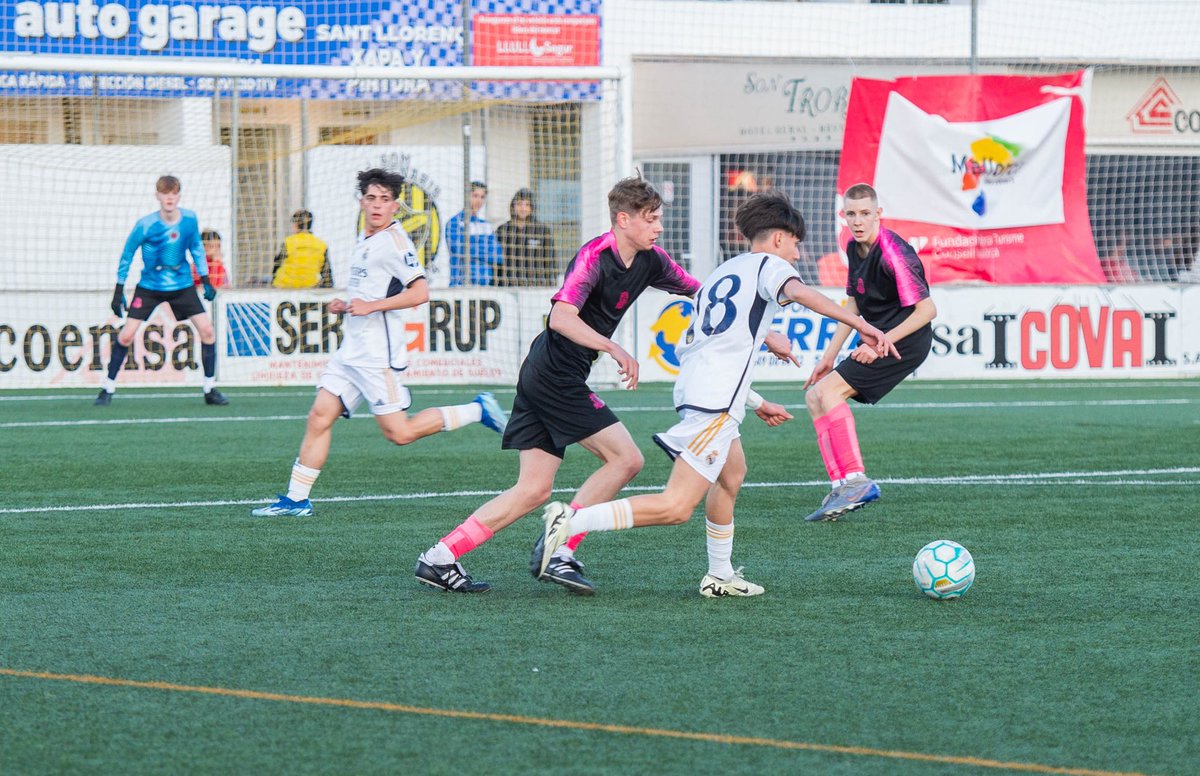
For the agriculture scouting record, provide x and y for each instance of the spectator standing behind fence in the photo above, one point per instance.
(1115, 262)
(1186, 268)
(214, 255)
(527, 244)
(1182, 256)
(303, 261)
(486, 256)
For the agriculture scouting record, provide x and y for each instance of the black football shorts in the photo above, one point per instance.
(184, 303)
(550, 415)
(875, 380)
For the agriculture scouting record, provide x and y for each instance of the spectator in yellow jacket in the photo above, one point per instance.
(303, 261)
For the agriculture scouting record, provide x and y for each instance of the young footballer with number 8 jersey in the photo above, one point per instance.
(734, 310)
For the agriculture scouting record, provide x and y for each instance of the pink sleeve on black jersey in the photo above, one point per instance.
(674, 278)
(904, 265)
(584, 271)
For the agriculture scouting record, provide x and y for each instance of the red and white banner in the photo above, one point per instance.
(534, 40)
(983, 175)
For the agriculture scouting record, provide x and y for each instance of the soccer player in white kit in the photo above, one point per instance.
(733, 313)
(385, 278)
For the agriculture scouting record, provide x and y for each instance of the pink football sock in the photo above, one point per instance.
(825, 445)
(843, 438)
(469, 535)
(577, 539)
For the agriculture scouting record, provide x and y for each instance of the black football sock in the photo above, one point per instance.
(117, 359)
(208, 357)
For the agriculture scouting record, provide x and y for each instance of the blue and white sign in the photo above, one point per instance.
(424, 33)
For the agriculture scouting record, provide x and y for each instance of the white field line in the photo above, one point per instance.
(1006, 404)
(195, 393)
(144, 421)
(1122, 477)
(973, 385)
(658, 408)
(132, 396)
(1054, 385)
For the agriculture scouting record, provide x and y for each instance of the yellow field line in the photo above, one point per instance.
(716, 738)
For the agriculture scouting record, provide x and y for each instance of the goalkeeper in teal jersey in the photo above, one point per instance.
(164, 238)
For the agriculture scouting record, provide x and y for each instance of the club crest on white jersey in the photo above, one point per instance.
(383, 265)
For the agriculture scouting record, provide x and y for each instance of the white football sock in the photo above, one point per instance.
(303, 477)
(610, 516)
(439, 555)
(458, 415)
(720, 549)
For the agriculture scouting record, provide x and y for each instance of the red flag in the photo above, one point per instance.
(984, 175)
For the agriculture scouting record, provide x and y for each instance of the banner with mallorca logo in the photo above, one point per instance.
(983, 175)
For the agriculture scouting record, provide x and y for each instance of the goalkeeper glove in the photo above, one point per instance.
(118, 300)
(210, 293)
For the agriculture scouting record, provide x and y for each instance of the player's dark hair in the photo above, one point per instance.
(210, 234)
(479, 186)
(304, 219)
(767, 211)
(393, 181)
(167, 184)
(633, 195)
(862, 191)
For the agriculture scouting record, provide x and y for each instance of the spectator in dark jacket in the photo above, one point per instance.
(529, 258)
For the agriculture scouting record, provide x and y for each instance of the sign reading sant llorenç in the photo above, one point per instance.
(983, 175)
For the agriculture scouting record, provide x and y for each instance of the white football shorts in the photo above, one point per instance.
(702, 439)
(379, 386)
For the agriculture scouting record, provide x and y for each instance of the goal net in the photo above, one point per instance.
(265, 159)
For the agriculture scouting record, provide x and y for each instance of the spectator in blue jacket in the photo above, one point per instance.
(486, 255)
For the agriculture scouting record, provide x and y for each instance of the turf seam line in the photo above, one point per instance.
(719, 738)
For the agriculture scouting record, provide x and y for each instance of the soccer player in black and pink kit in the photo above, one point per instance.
(886, 286)
(554, 406)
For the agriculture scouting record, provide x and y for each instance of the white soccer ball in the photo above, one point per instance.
(943, 569)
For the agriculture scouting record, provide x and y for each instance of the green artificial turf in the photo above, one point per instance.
(127, 552)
